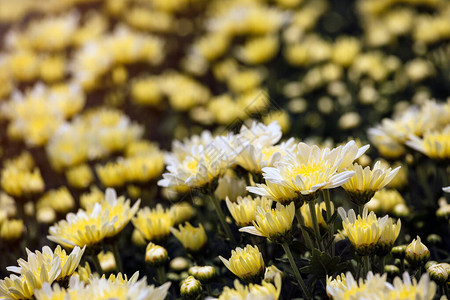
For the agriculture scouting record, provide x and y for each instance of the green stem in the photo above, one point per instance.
(361, 209)
(305, 234)
(366, 265)
(326, 198)
(312, 211)
(115, 250)
(295, 269)
(161, 274)
(96, 262)
(359, 267)
(208, 289)
(221, 216)
(446, 293)
(382, 264)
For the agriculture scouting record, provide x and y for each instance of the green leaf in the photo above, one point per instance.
(333, 218)
(323, 264)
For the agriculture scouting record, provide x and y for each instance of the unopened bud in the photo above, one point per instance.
(430, 263)
(179, 264)
(392, 270)
(434, 239)
(271, 273)
(155, 255)
(438, 273)
(205, 274)
(191, 288)
(417, 253)
(399, 251)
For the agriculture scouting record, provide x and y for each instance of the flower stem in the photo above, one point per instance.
(221, 216)
(295, 269)
(305, 234)
(161, 274)
(326, 198)
(382, 263)
(366, 265)
(361, 209)
(96, 262)
(312, 211)
(115, 250)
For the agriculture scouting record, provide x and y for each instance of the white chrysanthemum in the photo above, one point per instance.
(312, 169)
(204, 164)
(39, 268)
(374, 287)
(446, 189)
(114, 287)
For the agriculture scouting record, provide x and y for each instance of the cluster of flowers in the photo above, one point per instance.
(425, 129)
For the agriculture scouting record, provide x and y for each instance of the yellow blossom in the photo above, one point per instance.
(193, 239)
(273, 224)
(80, 176)
(244, 209)
(154, 224)
(363, 185)
(363, 231)
(246, 263)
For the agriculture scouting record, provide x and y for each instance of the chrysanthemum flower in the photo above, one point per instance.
(247, 263)
(273, 224)
(388, 237)
(266, 291)
(192, 238)
(244, 209)
(425, 289)
(362, 231)
(373, 287)
(117, 287)
(320, 220)
(40, 267)
(276, 192)
(417, 253)
(434, 144)
(103, 220)
(363, 185)
(312, 169)
(201, 166)
(154, 224)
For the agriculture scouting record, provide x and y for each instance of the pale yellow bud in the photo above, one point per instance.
(191, 288)
(205, 274)
(156, 255)
(417, 253)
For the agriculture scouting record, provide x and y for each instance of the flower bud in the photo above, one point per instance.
(438, 273)
(434, 239)
(155, 255)
(430, 263)
(272, 272)
(191, 288)
(399, 251)
(204, 274)
(107, 261)
(179, 264)
(417, 253)
(392, 270)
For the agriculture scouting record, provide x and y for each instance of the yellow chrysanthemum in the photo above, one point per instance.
(154, 224)
(388, 236)
(363, 185)
(247, 263)
(273, 224)
(244, 209)
(435, 145)
(252, 291)
(103, 220)
(362, 231)
(404, 289)
(192, 238)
